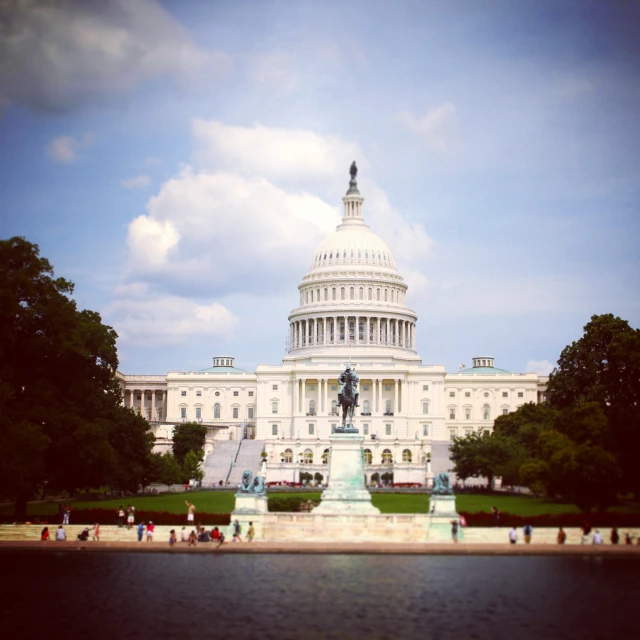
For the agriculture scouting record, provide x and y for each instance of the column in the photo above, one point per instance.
(335, 329)
(326, 396)
(395, 396)
(164, 405)
(379, 395)
(131, 399)
(356, 329)
(403, 397)
(295, 396)
(304, 396)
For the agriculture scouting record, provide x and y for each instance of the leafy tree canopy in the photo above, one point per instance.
(188, 436)
(60, 416)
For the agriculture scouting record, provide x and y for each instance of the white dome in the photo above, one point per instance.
(351, 245)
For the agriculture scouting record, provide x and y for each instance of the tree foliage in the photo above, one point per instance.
(192, 467)
(61, 422)
(170, 470)
(188, 436)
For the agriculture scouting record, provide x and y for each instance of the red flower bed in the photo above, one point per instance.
(109, 516)
(603, 520)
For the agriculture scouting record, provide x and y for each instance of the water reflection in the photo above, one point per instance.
(155, 596)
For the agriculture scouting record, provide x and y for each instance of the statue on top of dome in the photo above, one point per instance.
(353, 170)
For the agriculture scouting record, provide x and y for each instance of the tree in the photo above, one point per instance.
(478, 455)
(60, 417)
(170, 471)
(192, 467)
(188, 436)
(603, 366)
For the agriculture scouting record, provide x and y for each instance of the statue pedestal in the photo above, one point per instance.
(444, 506)
(250, 503)
(442, 510)
(346, 491)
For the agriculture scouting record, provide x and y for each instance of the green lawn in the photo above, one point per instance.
(223, 502)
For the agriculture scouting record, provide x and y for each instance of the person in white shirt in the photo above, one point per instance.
(184, 536)
(61, 534)
(597, 537)
(513, 535)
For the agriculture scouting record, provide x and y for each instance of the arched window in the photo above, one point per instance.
(387, 406)
(361, 293)
(387, 456)
(352, 254)
(341, 330)
(359, 254)
(287, 456)
(365, 406)
(392, 296)
(325, 456)
(333, 293)
(352, 293)
(216, 411)
(370, 296)
(326, 294)
(307, 457)
(342, 293)
(366, 255)
(406, 455)
(312, 407)
(311, 295)
(386, 295)
(334, 407)
(368, 457)
(486, 412)
(378, 295)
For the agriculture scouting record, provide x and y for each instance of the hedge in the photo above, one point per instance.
(555, 520)
(108, 516)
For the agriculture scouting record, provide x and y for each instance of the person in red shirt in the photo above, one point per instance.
(150, 529)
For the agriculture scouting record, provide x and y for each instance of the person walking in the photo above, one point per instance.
(140, 531)
(61, 534)
(615, 536)
(597, 537)
(513, 535)
(191, 513)
(454, 531)
(562, 536)
(67, 514)
(121, 516)
(528, 531)
(237, 530)
(251, 532)
(131, 516)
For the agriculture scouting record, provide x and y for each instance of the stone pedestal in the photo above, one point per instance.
(442, 510)
(443, 506)
(250, 504)
(346, 491)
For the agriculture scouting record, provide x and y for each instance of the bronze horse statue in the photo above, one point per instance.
(348, 398)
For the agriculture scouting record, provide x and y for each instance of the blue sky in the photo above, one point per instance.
(179, 161)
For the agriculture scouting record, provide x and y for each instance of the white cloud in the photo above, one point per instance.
(166, 319)
(63, 149)
(211, 231)
(139, 182)
(58, 55)
(271, 152)
(541, 367)
(437, 127)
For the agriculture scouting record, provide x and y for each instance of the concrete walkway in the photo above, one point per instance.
(353, 548)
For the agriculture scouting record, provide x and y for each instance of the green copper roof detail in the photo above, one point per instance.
(353, 187)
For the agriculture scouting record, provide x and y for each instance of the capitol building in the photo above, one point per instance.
(352, 310)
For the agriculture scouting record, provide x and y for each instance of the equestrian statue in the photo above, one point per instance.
(348, 397)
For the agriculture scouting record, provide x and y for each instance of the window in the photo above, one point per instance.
(387, 457)
(312, 407)
(333, 293)
(505, 394)
(365, 407)
(365, 387)
(274, 429)
(341, 293)
(235, 413)
(274, 387)
(467, 414)
(287, 454)
(365, 429)
(311, 428)
(406, 455)
(387, 407)
(452, 434)
(182, 393)
(217, 393)
(325, 456)
(159, 412)
(251, 394)
(425, 407)
(183, 412)
(486, 394)
(452, 394)
(199, 393)
(216, 411)
(387, 387)
(334, 387)
(198, 413)
(274, 407)
(236, 393)
(452, 413)
(312, 387)
(521, 394)
(351, 294)
(425, 387)
(334, 407)
(333, 428)
(425, 429)
(387, 429)
(505, 412)
(307, 457)
(467, 432)
(368, 457)
(250, 413)
(148, 414)
(486, 412)
(467, 394)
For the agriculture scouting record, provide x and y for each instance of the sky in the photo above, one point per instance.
(180, 162)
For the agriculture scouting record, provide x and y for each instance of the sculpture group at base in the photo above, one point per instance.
(251, 484)
(442, 485)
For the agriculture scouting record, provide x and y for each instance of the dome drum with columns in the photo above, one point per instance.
(353, 295)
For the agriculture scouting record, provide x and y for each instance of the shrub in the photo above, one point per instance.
(602, 520)
(286, 503)
(109, 516)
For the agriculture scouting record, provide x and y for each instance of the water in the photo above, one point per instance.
(156, 596)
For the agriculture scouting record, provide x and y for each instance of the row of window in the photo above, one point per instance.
(183, 394)
(353, 254)
(365, 429)
(306, 457)
(467, 394)
(350, 293)
(217, 411)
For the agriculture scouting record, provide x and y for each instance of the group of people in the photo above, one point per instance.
(129, 514)
(215, 535)
(597, 538)
(61, 534)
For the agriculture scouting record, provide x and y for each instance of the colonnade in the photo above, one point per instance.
(374, 395)
(356, 329)
(157, 408)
